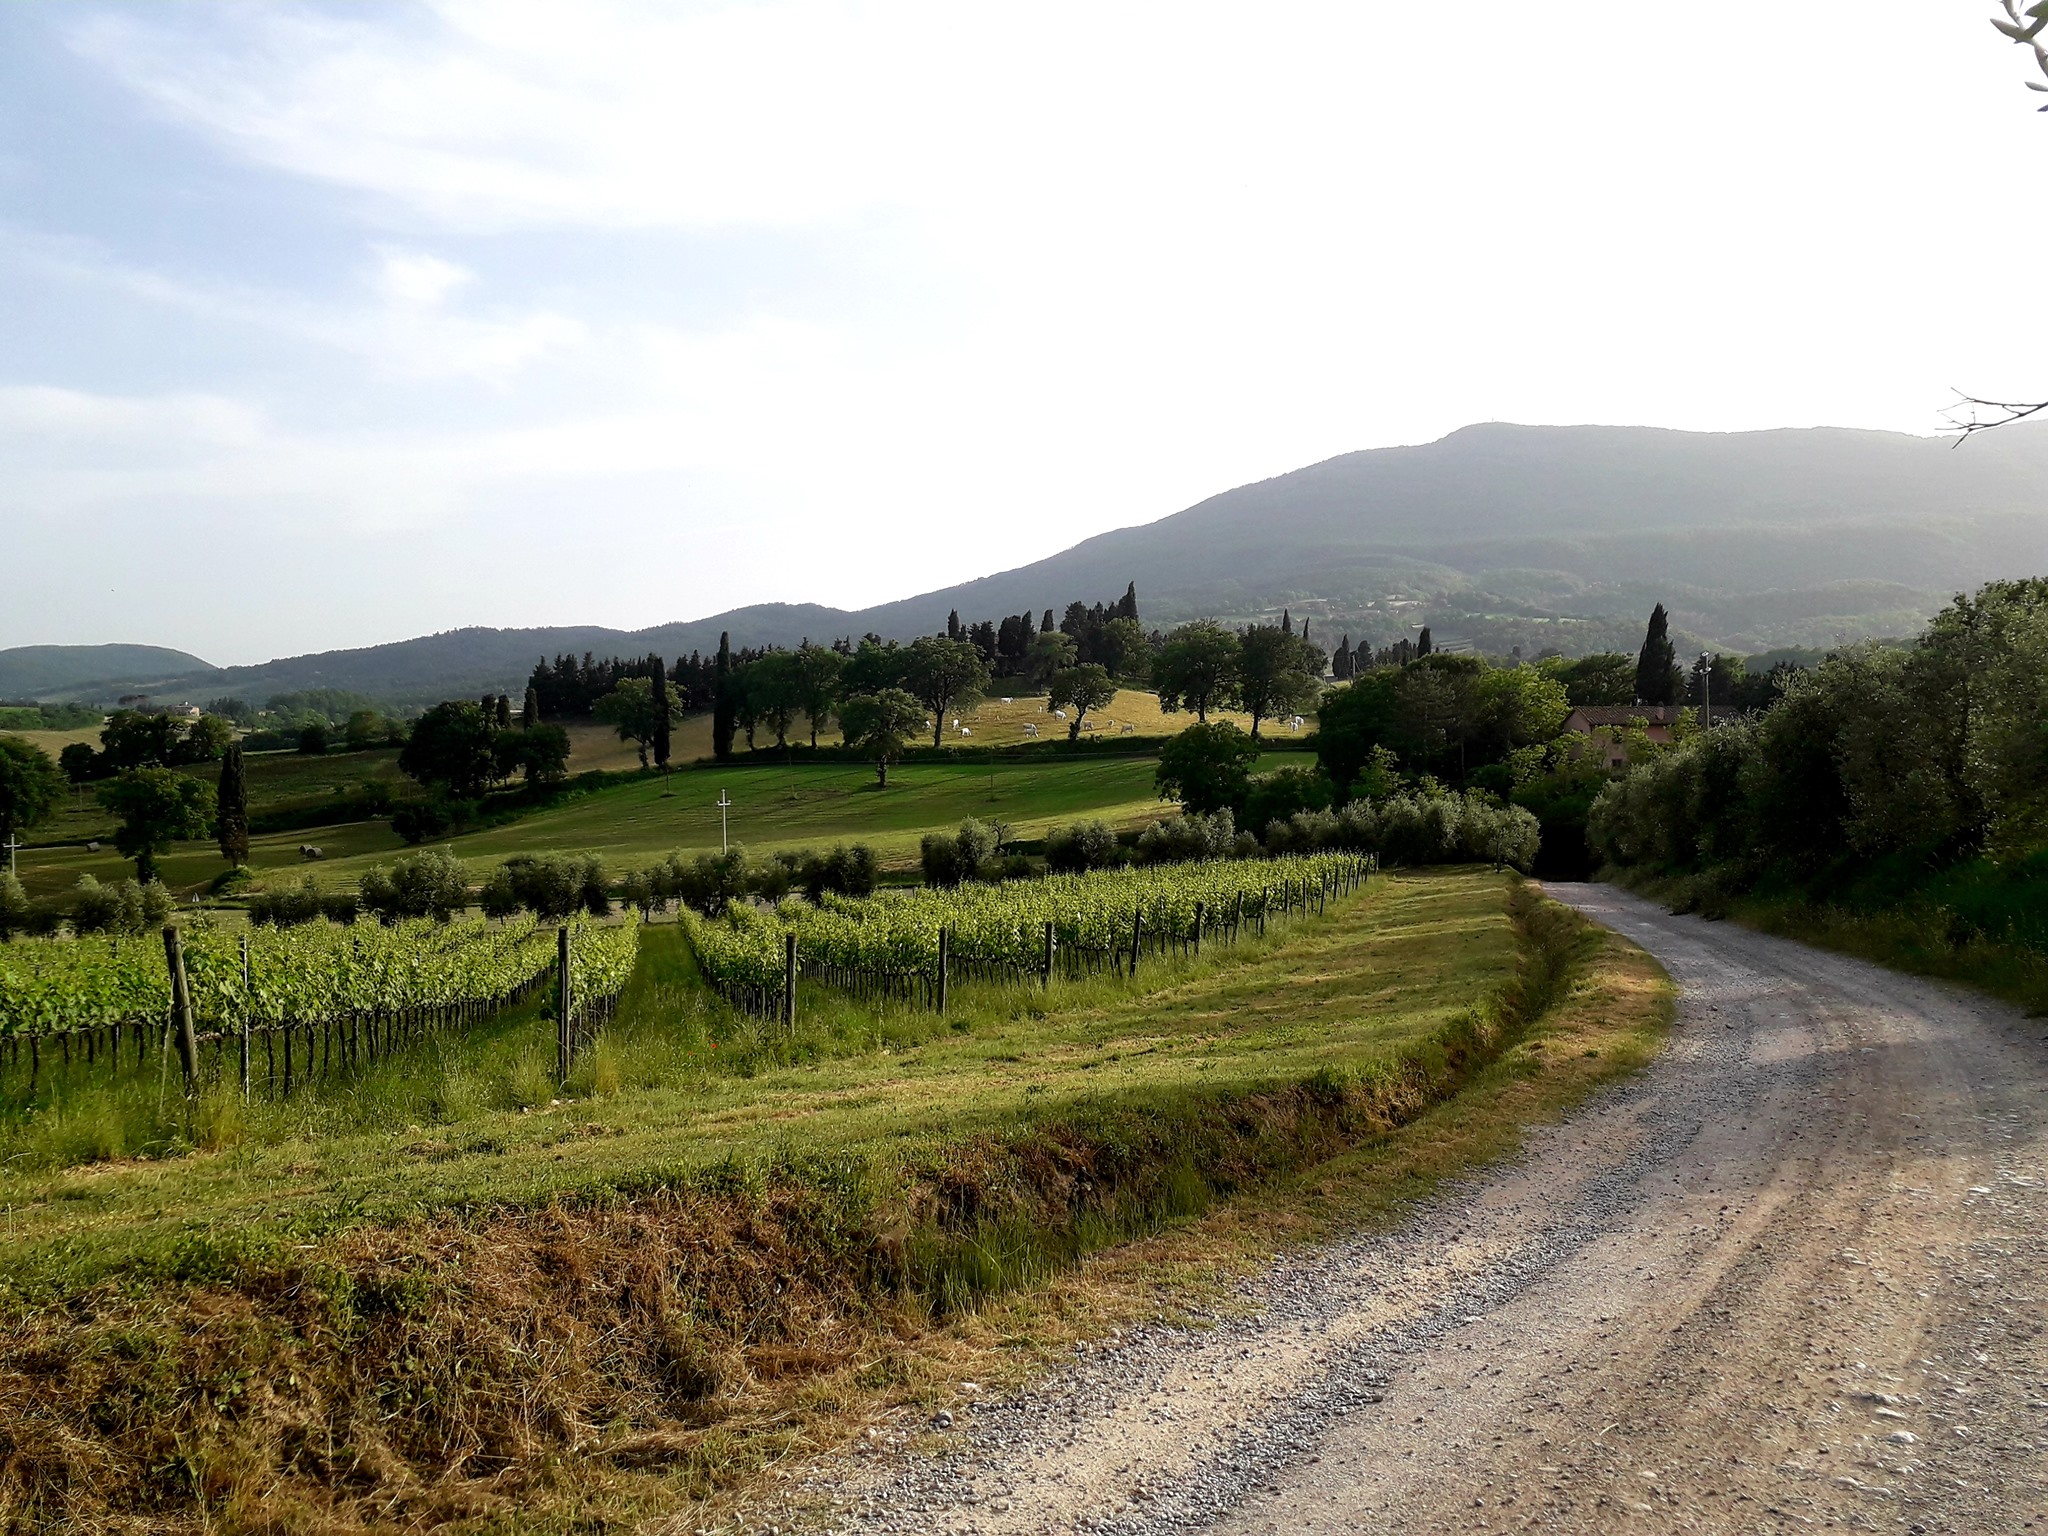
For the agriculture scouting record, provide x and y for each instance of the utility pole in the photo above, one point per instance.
(724, 805)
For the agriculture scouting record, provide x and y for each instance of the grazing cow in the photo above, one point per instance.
(1059, 714)
(308, 851)
(1031, 730)
(1009, 701)
(965, 732)
(1128, 729)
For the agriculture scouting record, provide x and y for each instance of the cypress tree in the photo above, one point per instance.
(504, 712)
(1657, 675)
(1045, 625)
(724, 707)
(660, 713)
(529, 712)
(231, 822)
(953, 625)
(1423, 644)
(1128, 608)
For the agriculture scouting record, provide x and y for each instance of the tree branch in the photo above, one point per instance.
(1968, 415)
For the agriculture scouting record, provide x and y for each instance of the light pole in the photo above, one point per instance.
(724, 805)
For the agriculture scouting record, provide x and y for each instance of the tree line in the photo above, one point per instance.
(1912, 761)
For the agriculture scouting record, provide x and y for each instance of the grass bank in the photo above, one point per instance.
(594, 1311)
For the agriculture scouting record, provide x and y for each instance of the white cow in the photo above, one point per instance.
(1030, 730)
(1009, 701)
(1128, 729)
(1059, 714)
(965, 732)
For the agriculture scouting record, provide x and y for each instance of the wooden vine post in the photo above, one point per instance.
(1048, 953)
(181, 1011)
(246, 1000)
(789, 982)
(1137, 936)
(562, 1004)
(1198, 930)
(945, 962)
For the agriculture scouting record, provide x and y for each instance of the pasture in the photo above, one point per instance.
(773, 806)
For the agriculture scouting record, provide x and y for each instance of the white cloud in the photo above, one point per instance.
(417, 279)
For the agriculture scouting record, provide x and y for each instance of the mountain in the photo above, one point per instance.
(1498, 536)
(33, 671)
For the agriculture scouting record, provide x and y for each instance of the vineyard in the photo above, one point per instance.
(310, 999)
(909, 947)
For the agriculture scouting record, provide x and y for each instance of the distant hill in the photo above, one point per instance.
(35, 671)
(1498, 536)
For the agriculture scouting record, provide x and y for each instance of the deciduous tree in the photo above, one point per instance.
(30, 786)
(1197, 668)
(1274, 672)
(1081, 689)
(156, 807)
(944, 675)
(1207, 767)
(880, 725)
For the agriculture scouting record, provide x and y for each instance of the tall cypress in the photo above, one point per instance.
(1423, 643)
(1128, 608)
(660, 712)
(529, 712)
(504, 712)
(1657, 675)
(724, 706)
(231, 822)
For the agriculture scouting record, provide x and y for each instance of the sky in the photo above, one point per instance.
(322, 326)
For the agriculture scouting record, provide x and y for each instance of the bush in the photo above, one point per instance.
(846, 871)
(1187, 838)
(312, 741)
(713, 882)
(1081, 847)
(1415, 829)
(124, 908)
(17, 914)
(430, 883)
(290, 906)
(554, 886)
(949, 858)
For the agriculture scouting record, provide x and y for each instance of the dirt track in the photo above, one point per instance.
(1793, 1278)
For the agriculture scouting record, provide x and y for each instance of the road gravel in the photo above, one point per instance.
(1792, 1277)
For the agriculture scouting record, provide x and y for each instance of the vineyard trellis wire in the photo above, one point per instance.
(311, 999)
(907, 948)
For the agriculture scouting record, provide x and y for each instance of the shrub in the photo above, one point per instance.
(17, 915)
(846, 871)
(554, 886)
(430, 883)
(713, 881)
(124, 908)
(1083, 846)
(1186, 838)
(290, 906)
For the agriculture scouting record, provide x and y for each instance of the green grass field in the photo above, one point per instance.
(682, 1081)
(635, 823)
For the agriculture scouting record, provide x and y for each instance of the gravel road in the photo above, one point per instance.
(1791, 1278)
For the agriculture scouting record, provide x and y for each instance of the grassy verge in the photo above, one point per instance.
(1921, 933)
(588, 1313)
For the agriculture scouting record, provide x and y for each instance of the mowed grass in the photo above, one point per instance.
(680, 1083)
(772, 806)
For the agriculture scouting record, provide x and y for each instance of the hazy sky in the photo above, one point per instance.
(321, 327)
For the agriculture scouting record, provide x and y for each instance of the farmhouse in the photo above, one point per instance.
(1603, 725)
